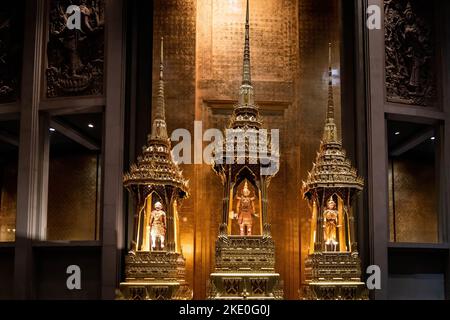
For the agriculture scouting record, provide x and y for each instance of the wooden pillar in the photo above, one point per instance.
(226, 199)
(320, 222)
(353, 106)
(445, 148)
(28, 166)
(227, 185)
(265, 218)
(44, 162)
(113, 210)
(170, 228)
(353, 242)
(377, 155)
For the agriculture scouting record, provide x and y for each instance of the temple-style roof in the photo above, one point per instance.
(156, 166)
(331, 169)
(246, 122)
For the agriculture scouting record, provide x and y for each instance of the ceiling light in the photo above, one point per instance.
(397, 133)
(90, 125)
(433, 138)
(52, 129)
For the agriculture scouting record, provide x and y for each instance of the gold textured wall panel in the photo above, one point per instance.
(8, 201)
(289, 52)
(414, 198)
(72, 198)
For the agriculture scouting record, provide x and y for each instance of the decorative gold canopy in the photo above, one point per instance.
(156, 165)
(331, 169)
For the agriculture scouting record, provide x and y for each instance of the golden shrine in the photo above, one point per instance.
(155, 266)
(333, 266)
(245, 250)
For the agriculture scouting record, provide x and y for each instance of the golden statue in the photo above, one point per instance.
(245, 211)
(157, 225)
(330, 216)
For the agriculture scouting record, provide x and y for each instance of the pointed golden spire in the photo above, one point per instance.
(160, 108)
(330, 110)
(246, 76)
(331, 170)
(330, 130)
(246, 113)
(155, 166)
(159, 130)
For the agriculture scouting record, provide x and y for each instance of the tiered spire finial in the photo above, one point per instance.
(155, 166)
(246, 114)
(330, 110)
(331, 168)
(160, 108)
(330, 131)
(159, 130)
(246, 76)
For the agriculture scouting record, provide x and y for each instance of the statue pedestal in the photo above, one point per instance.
(245, 269)
(156, 275)
(241, 285)
(337, 290)
(334, 276)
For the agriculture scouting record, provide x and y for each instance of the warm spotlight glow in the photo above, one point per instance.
(235, 6)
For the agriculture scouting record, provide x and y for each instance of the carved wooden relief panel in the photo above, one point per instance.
(11, 40)
(410, 52)
(75, 57)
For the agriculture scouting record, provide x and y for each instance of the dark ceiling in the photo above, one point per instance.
(59, 143)
(400, 133)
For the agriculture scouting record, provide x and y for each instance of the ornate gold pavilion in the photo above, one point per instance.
(333, 266)
(245, 264)
(156, 274)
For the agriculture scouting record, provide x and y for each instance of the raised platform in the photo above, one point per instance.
(154, 290)
(333, 266)
(337, 290)
(245, 269)
(245, 253)
(334, 276)
(238, 286)
(156, 275)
